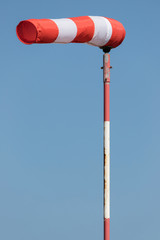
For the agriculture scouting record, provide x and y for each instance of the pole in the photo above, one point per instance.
(106, 78)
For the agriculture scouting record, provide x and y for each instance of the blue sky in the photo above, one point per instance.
(51, 127)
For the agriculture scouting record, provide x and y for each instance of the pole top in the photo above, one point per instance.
(106, 49)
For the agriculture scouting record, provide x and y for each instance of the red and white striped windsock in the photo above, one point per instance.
(93, 30)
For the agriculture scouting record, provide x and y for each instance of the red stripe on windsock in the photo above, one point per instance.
(107, 229)
(118, 33)
(84, 34)
(106, 102)
(37, 31)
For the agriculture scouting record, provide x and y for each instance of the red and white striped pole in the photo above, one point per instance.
(106, 77)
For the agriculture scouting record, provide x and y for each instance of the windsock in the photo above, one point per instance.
(97, 31)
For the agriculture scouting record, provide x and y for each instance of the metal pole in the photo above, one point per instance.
(106, 78)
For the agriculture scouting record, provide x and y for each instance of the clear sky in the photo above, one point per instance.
(51, 127)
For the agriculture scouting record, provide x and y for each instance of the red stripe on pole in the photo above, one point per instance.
(118, 33)
(85, 29)
(106, 102)
(106, 78)
(37, 31)
(107, 229)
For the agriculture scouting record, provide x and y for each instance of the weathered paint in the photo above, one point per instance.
(106, 67)
(106, 78)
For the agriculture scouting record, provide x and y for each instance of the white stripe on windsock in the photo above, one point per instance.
(103, 31)
(67, 30)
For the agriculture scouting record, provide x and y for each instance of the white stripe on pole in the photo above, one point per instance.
(103, 31)
(107, 169)
(67, 30)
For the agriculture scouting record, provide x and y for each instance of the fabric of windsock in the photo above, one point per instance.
(94, 30)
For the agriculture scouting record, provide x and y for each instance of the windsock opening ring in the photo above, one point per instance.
(93, 30)
(26, 32)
